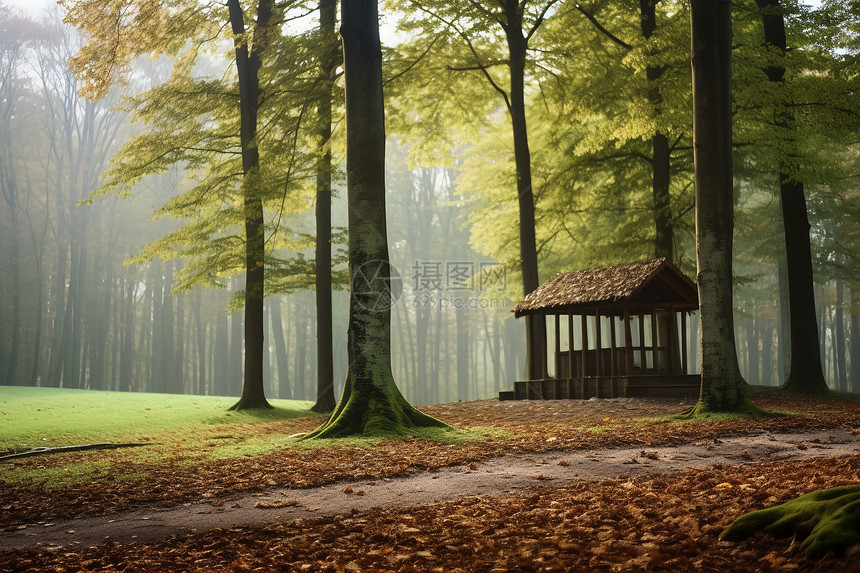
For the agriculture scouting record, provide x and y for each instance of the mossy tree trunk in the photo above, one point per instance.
(371, 403)
(723, 387)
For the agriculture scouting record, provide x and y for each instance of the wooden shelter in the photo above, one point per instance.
(625, 330)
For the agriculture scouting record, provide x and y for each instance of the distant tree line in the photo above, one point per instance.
(608, 117)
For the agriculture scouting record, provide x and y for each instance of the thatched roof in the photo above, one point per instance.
(645, 283)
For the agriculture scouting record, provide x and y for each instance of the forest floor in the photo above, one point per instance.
(556, 486)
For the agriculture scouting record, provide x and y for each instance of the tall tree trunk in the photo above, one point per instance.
(371, 402)
(723, 387)
(284, 391)
(754, 338)
(166, 334)
(664, 239)
(325, 400)
(517, 51)
(200, 331)
(235, 368)
(300, 320)
(248, 66)
(805, 375)
(222, 383)
(839, 336)
(462, 326)
(767, 354)
(39, 252)
(179, 380)
(156, 369)
(58, 299)
(496, 349)
(15, 271)
(854, 347)
(126, 370)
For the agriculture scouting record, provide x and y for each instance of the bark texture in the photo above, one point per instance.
(248, 66)
(325, 401)
(723, 386)
(371, 404)
(805, 375)
(536, 348)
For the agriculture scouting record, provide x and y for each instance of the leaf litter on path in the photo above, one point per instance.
(668, 522)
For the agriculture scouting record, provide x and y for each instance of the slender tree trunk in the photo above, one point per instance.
(839, 335)
(783, 326)
(156, 367)
(462, 328)
(300, 319)
(723, 387)
(126, 359)
(234, 372)
(854, 348)
(497, 354)
(223, 384)
(753, 340)
(55, 359)
(664, 239)
(371, 402)
(247, 66)
(325, 400)
(15, 271)
(805, 375)
(284, 391)
(200, 331)
(166, 333)
(517, 50)
(767, 354)
(39, 319)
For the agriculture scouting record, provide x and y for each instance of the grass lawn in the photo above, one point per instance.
(34, 417)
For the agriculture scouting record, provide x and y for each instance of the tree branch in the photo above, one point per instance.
(481, 67)
(603, 30)
(412, 64)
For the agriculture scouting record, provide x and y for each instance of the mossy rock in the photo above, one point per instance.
(827, 520)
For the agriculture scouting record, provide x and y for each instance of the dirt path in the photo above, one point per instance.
(494, 476)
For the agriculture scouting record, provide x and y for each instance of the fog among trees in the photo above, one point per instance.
(126, 186)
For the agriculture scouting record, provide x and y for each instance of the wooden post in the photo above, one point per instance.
(628, 343)
(684, 342)
(612, 367)
(583, 341)
(570, 373)
(673, 336)
(557, 347)
(655, 345)
(598, 344)
(643, 359)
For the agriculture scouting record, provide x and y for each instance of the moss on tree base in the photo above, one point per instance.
(374, 408)
(827, 520)
(742, 408)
